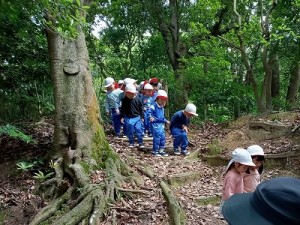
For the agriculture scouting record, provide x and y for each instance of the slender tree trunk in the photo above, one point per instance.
(293, 87)
(266, 98)
(275, 91)
(174, 48)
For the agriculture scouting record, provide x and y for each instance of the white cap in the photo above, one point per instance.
(191, 109)
(121, 82)
(108, 81)
(255, 150)
(129, 81)
(241, 156)
(130, 88)
(162, 94)
(148, 87)
(141, 86)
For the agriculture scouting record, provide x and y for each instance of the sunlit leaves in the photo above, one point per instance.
(64, 16)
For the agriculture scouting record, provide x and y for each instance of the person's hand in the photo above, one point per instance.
(151, 119)
(122, 120)
(117, 112)
(185, 128)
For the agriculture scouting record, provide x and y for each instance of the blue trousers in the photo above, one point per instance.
(134, 125)
(116, 120)
(159, 136)
(180, 138)
(147, 129)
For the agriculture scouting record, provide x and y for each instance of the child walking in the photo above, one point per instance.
(233, 181)
(112, 104)
(179, 128)
(158, 120)
(252, 176)
(147, 101)
(132, 114)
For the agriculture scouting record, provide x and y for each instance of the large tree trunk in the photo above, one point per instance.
(76, 107)
(80, 145)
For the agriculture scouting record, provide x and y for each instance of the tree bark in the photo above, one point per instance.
(76, 106)
(293, 84)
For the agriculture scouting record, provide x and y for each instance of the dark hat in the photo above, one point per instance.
(274, 202)
(153, 80)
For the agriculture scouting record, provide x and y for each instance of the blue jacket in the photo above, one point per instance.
(158, 113)
(147, 102)
(178, 120)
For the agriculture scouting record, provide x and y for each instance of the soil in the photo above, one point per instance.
(195, 182)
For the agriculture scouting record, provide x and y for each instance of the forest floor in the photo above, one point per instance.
(194, 180)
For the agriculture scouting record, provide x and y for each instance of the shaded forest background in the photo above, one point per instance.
(229, 58)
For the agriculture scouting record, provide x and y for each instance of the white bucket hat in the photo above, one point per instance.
(255, 150)
(148, 87)
(108, 81)
(130, 88)
(191, 109)
(241, 156)
(129, 81)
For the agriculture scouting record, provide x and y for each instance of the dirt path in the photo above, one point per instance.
(195, 183)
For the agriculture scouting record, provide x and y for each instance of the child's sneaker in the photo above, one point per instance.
(131, 146)
(185, 152)
(162, 152)
(141, 146)
(145, 135)
(156, 154)
(176, 152)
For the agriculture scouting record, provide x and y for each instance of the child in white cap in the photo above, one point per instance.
(253, 174)
(237, 166)
(179, 128)
(132, 114)
(147, 101)
(233, 181)
(158, 120)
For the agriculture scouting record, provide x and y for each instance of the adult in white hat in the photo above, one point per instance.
(179, 128)
(109, 81)
(252, 176)
(112, 104)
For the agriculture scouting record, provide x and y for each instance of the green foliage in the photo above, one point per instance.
(41, 176)
(14, 132)
(25, 166)
(214, 148)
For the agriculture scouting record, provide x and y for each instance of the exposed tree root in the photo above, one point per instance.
(85, 203)
(176, 213)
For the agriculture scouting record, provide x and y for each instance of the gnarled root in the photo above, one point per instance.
(176, 213)
(83, 202)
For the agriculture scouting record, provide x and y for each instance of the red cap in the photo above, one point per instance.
(153, 80)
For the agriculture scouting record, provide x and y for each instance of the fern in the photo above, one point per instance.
(14, 132)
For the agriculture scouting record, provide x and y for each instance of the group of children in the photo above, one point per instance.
(140, 108)
(243, 172)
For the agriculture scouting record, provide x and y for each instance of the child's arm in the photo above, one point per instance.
(106, 105)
